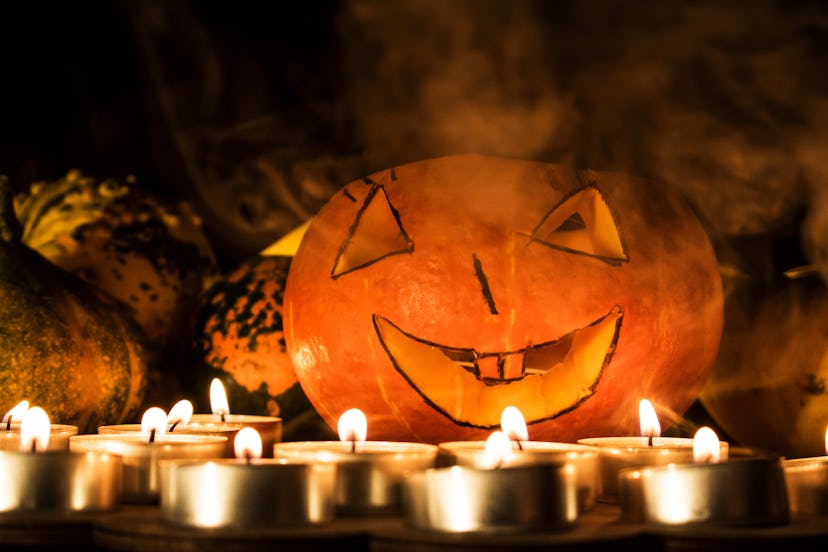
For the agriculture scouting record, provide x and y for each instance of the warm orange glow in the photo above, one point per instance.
(706, 447)
(648, 420)
(180, 413)
(16, 413)
(513, 424)
(352, 425)
(34, 430)
(218, 398)
(498, 448)
(248, 443)
(153, 423)
(826, 441)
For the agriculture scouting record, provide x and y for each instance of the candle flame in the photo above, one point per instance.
(180, 413)
(648, 420)
(218, 399)
(34, 430)
(498, 448)
(513, 424)
(352, 425)
(153, 423)
(16, 413)
(248, 443)
(706, 446)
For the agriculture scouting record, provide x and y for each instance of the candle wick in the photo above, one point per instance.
(353, 446)
(152, 436)
(520, 445)
(650, 439)
(8, 423)
(175, 423)
(34, 444)
(248, 456)
(222, 417)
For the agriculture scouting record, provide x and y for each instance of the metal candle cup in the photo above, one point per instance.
(583, 458)
(58, 481)
(269, 428)
(807, 484)
(58, 436)
(518, 499)
(140, 479)
(369, 477)
(742, 491)
(618, 453)
(259, 493)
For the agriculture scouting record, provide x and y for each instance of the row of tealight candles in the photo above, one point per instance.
(223, 470)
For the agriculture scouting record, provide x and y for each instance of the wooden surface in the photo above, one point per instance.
(141, 528)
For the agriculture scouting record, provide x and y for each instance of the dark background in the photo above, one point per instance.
(255, 112)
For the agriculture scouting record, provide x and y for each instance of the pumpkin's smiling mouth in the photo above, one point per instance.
(472, 387)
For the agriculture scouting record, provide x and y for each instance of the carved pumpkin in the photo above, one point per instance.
(433, 295)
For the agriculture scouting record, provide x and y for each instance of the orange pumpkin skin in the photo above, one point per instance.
(500, 264)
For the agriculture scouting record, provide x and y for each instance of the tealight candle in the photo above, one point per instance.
(495, 497)
(141, 452)
(807, 483)
(368, 473)
(247, 491)
(10, 430)
(747, 489)
(583, 458)
(37, 478)
(223, 421)
(650, 449)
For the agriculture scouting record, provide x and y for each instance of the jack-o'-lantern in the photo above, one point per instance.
(434, 294)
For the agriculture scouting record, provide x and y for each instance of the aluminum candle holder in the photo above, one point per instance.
(268, 427)
(583, 458)
(519, 499)
(140, 478)
(618, 453)
(58, 436)
(247, 494)
(369, 476)
(807, 483)
(743, 491)
(58, 481)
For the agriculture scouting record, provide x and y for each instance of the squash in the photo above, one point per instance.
(148, 252)
(769, 386)
(434, 294)
(66, 346)
(239, 339)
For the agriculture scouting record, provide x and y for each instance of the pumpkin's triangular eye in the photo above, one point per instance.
(583, 223)
(375, 234)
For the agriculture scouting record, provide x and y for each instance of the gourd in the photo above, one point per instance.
(147, 251)
(239, 338)
(434, 294)
(65, 345)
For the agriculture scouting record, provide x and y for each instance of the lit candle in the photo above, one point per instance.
(492, 496)
(247, 491)
(37, 478)
(746, 489)
(178, 422)
(222, 420)
(141, 451)
(650, 449)
(369, 473)
(807, 484)
(583, 458)
(10, 430)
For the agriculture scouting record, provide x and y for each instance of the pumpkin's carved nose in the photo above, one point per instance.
(484, 284)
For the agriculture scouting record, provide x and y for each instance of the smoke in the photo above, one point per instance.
(716, 99)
